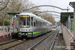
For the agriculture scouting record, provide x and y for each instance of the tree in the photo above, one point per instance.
(14, 6)
(4, 4)
(6, 22)
(48, 17)
(59, 23)
(27, 4)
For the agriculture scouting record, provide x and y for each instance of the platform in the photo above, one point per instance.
(4, 33)
(4, 36)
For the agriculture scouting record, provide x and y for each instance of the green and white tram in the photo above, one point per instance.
(31, 25)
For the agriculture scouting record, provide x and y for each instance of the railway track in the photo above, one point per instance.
(6, 42)
(31, 44)
(9, 44)
(52, 45)
(25, 44)
(33, 47)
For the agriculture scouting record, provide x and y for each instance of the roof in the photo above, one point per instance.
(65, 15)
(12, 14)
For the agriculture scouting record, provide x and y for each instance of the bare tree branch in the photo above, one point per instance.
(4, 5)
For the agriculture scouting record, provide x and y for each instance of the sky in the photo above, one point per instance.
(59, 3)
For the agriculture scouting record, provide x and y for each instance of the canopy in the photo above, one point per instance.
(65, 15)
(12, 14)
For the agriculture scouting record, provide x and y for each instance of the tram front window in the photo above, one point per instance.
(24, 22)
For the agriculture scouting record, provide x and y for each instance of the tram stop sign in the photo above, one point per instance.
(12, 22)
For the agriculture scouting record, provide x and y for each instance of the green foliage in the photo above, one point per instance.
(6, 23)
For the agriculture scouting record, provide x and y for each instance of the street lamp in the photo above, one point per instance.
(72, 4)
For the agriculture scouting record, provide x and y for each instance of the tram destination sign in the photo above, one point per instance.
(24, 16)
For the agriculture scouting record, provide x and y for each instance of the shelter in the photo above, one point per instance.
(67, 19)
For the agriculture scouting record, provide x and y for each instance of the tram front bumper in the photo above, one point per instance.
(22, 34)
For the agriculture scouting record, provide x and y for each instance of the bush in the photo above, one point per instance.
(6, 23)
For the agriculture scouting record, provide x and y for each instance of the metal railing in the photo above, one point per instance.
(68, 37)
(69, 32)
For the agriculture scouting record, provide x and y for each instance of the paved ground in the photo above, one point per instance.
(1, 30)
(59, 44)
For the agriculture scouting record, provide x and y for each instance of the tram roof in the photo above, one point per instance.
(31, 14)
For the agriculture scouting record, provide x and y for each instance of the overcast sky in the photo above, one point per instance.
(59, 3)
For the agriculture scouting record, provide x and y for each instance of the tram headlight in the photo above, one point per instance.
(28, 30)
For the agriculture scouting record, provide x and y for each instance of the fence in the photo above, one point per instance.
(68, 37)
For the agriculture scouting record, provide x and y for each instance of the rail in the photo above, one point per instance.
(32, 48)
(53, 42)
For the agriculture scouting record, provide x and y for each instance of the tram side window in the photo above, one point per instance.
(43, 23)
(37, 23)
(40, 23)
(31, 21)
(46, 24)
(34, 24)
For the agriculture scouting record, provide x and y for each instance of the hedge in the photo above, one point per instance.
(6, 23)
